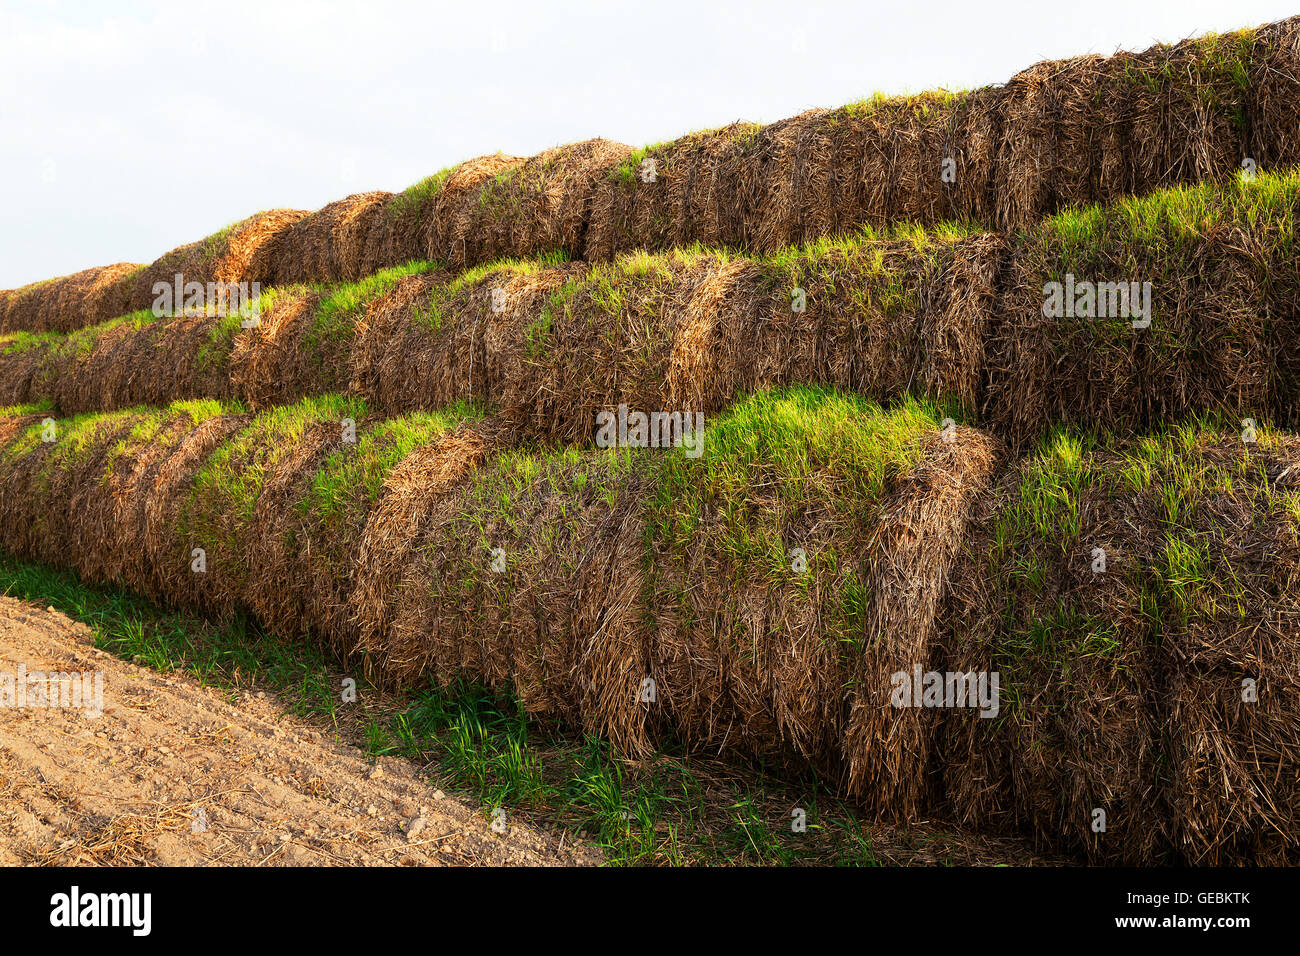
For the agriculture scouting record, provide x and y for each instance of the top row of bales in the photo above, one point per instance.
(1077, 131)
(1061, 133)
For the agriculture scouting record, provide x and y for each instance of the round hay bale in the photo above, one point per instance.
(539, 206)
(924, 159)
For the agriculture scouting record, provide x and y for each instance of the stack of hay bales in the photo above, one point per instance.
(397, 462)
(426, 343)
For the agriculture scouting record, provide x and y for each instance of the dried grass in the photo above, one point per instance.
(329, 245)
(541, 205)
(880, 162)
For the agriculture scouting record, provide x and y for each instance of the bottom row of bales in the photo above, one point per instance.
(1132, 605)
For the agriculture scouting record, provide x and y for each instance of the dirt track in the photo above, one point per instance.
(174, 774)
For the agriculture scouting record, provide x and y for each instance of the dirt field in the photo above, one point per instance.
(173, 773)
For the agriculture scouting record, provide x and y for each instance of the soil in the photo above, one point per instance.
(175, 773)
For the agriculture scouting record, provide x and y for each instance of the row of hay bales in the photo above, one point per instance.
(100, 294)
(552, 343)
(949, 313)
(1076, 131)
(758, 599)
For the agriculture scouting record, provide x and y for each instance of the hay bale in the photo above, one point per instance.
(426, 343)
(539, 206)
(135, 360)
(683, 331)
(1274, 141)
(419, 485)
(223, 509)
(879, 319)
(230, 256)
(1223, 287)
(522, 575)
(878, 162)
(428, 220)
(107, 510)
(793, 662)
(279, 361)
(706, 188)
(276, 589)
(39, 478)
(329, 245)
(689, 331)
(1234, 762)
(601, 337)
(22, 356)
(93, 369)
(309, 340)
(312, 514)
(164, 567)
(1077, 730)
(1115, 678)
(91, 500)
(1094, 129)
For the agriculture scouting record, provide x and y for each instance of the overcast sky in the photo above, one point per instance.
(127, 129)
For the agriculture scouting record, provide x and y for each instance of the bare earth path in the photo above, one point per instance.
(172, 773)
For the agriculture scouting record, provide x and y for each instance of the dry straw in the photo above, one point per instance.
(228, 256)
(61, 305)
(329, 245)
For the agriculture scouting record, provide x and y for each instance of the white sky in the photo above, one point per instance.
(127, 129)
